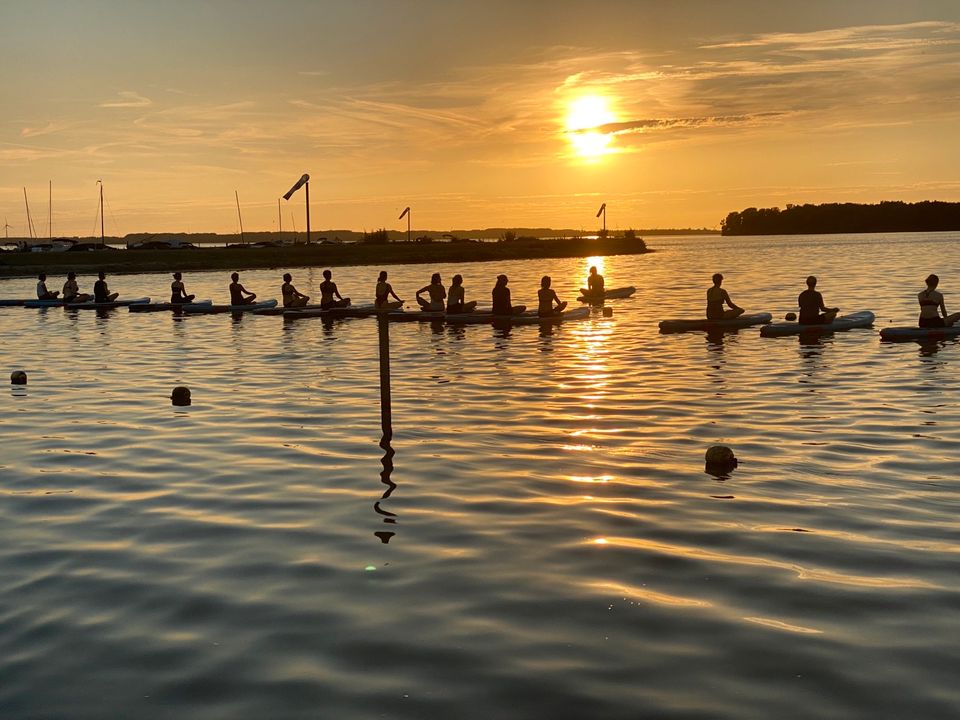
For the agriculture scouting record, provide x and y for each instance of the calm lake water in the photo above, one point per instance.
(539, 539)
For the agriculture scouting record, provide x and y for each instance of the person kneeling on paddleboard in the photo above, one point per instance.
(547, 297)
(932, 304)
(71, 290)
(328, 290)
(101, 293)
(811, 305)
(501, 299)
(455, 303)
(716, 298)
(291, 296)
(594, 283)
(383, 292)
(437, 295)
(238, 291)
(178, 292)
(42, 292)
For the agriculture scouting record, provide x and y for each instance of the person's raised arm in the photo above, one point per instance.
(726, 298)
(419, 292)
(336, 291)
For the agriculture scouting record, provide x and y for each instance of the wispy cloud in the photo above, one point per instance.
(127, 99)
(48, 129)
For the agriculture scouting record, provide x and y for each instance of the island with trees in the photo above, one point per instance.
(891, 216)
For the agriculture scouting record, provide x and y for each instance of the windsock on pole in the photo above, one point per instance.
(304, 180)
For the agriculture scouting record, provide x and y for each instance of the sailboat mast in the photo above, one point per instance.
(239, 216)
(50, 210)
(29, 219)
(280, 219)
(102, 242)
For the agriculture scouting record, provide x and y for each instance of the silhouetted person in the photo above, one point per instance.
(455, 303)
(42, 292)
(501, 299)
(437, 295)
(178, 293)
(595, 282)
(328, 291)
(101, 293)
(549, 304)
(291, 296)
(71, 290)
(932, 305)
(717, 297)
(383, 292)
(811, 305)
(239, 295)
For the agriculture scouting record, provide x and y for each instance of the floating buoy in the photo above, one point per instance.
(180, 396)
(790, 317)
(720, 460)
(18, 377)
(608, 312)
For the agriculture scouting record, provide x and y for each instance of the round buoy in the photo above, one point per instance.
(608, 312)
(180, 396)
(790, 317)
(18, 377)
(720, 460)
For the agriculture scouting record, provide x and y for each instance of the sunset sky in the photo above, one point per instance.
(520, 113)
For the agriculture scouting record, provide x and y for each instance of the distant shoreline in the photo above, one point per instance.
(18, 264)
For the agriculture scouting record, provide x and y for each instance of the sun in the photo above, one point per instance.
(584, 116)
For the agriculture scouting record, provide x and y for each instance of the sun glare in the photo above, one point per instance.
(584, 116)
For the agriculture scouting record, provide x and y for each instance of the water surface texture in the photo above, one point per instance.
(539, 538)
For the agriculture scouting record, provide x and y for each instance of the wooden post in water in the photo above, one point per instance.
(386, 413)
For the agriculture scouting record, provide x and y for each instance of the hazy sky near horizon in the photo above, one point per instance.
(522, 113)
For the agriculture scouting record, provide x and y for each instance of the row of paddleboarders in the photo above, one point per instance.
(933, 310)
(71, 290)
(435, 297)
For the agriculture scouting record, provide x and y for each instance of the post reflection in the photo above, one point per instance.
(386, 427)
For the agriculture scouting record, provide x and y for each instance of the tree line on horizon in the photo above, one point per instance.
(888, 216)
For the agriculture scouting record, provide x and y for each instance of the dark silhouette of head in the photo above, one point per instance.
(42, 276)
(501, 280)
(717, 279)
(327, 274)
(71, 275)
(593, 270)
(287, 277)
(932, 281)
(545, 281)
(457, 280)
(177, 276)
(382, 276)
(235, 277)
(435, 279)
(102, 275)
(811, 282)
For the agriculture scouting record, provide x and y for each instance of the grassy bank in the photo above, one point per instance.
(14, 264)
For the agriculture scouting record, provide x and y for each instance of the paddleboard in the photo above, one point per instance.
(14, 302)
(43, 303)
(861, 319)
(175, 307)
(611, 294)
(693, 324)
(901, 334)
(281, 310)
(352, 311)
(213, 309)
(107, 305)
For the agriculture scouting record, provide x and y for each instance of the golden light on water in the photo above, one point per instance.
(584, 115)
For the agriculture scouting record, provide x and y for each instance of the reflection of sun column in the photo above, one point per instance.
(584, 116)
